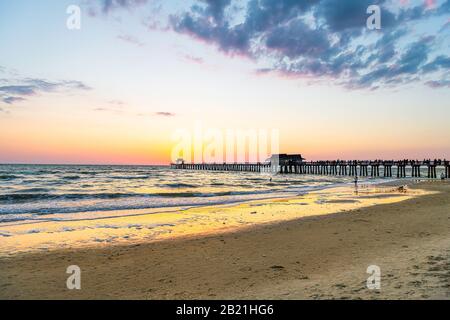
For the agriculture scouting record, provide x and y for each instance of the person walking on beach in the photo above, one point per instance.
(356, 185)
(442, 176)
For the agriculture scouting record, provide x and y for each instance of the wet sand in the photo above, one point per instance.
(316, 257)
(128, 227)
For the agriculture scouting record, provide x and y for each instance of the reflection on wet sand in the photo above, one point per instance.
(146, 225)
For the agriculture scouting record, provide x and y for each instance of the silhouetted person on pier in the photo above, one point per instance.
(442, 176)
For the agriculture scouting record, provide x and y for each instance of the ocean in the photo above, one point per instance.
(27, 192)
(47, 207)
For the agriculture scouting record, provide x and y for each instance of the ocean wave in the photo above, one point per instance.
(256, 179)
(33, 195)
(8, 177)
(130, 177)
(23, 197)
(40, 190)
(71, 177)
(33, 190)
(179, 185)
(43, 172)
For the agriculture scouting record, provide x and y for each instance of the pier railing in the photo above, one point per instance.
(333, 167)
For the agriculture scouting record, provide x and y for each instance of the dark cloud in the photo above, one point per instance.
(215, 8)
(440, 62)
(385, 47)
(297, 39)
(207, 23)
(11, 100)
(444, 8)
(414, 57)
(109, 5)
(348, 14)
(438, 83)
(445, 27)
(266, 14)
(24, 90)
(422, 11)
(404, 69)
(229, 39)
(164, 114)
(17, 90)
(320, 38)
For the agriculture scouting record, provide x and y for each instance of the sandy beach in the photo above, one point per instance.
(313, 257)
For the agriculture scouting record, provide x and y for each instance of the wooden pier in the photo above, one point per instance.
(334, 167)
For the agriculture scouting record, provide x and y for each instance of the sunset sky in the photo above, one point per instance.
(116, 90)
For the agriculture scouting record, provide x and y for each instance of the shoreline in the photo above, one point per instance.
(130, 227)
(164, 209)
(315, 257)
(275, 194)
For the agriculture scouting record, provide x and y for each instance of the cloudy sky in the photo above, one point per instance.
(117, 89)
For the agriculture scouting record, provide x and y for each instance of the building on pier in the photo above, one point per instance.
(284, 159)
(179, 161)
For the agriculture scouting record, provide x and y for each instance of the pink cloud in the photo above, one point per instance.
(404, 2)
(429, 4)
